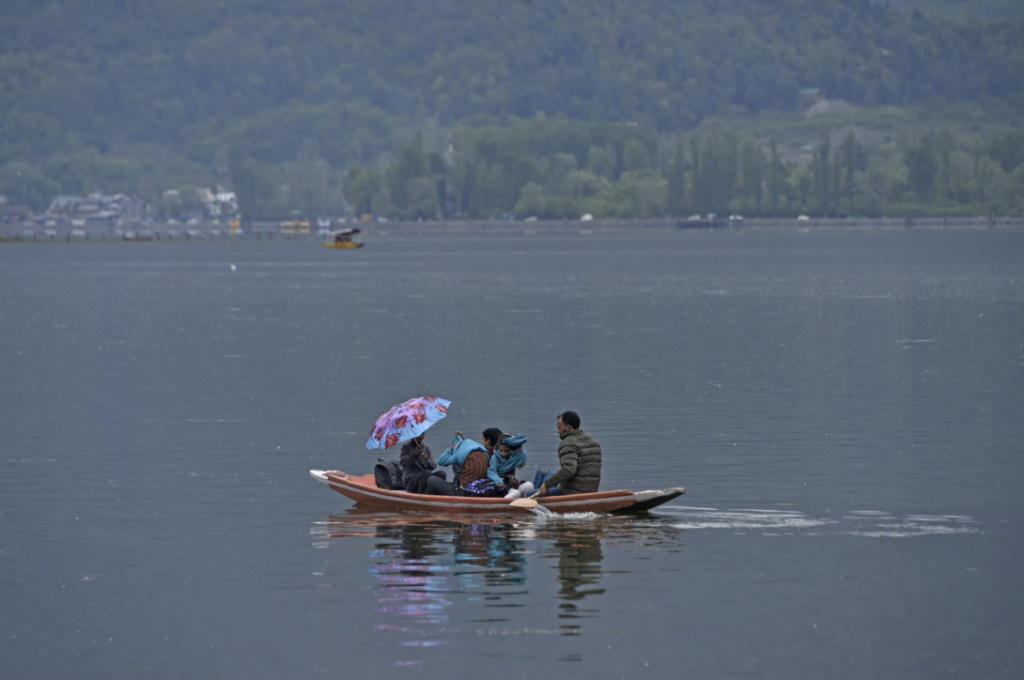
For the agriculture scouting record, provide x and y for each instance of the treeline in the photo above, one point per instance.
(563, 170)
(308, 105)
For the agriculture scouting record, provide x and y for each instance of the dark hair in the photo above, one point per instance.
(493, 435)
(571, 419)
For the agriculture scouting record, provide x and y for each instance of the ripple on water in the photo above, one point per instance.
(871, 523)
(746, 519)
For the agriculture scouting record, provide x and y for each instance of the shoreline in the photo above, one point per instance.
(268, 231)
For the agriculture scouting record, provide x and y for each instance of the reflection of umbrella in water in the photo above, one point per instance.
(406, 420)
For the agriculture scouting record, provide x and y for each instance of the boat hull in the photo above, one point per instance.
(342, 245)
(363, 490)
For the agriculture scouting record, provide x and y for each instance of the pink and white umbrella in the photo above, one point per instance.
(407, 420)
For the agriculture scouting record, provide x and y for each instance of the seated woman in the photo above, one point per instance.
(469, 463)
(418, 466)
(509, 457)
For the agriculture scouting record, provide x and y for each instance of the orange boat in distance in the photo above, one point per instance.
(364, 491)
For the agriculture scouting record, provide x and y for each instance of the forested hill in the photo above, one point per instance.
(269, 79)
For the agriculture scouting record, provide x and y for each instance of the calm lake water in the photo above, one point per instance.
(846, 411)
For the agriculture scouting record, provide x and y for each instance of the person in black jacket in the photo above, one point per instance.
(418, 466)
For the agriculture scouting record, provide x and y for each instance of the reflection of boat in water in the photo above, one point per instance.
(429, 580)
(364, 490)
(345, 238)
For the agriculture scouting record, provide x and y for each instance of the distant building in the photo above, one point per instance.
(219, 203)
(98, 209)
(17, 213)
(64, 205)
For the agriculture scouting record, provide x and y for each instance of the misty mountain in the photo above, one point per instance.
(334, 79)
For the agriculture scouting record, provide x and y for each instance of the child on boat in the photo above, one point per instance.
(509, 457)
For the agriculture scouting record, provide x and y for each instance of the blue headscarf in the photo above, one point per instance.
(460, 449)
(500, 467)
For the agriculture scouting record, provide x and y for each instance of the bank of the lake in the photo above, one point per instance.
(269, 231)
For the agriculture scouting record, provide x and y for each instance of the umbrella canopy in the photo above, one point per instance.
(407, 420)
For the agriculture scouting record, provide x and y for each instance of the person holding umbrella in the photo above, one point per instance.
(418, 466)
(407, 422)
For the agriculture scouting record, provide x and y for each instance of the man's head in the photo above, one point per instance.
(491, 436)
(567, 422)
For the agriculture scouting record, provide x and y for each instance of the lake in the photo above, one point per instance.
(845, 410)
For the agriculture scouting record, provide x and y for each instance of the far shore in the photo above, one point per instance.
(269, 231)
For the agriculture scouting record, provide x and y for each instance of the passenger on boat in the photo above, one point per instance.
(469, 463)
(510, 457)
(418, 466)
(490, 438)
(579, 454)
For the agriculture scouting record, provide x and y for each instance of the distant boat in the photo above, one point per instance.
(345, 238)
(298, 224)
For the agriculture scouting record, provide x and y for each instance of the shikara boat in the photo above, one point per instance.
(345, 238)
(364, 491)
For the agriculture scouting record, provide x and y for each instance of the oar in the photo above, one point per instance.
(530, 502)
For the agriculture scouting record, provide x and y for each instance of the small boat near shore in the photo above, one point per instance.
(345, 238)
(364, 491)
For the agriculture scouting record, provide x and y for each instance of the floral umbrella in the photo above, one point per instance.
(406, 421)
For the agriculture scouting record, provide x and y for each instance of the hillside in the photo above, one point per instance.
(142, 94)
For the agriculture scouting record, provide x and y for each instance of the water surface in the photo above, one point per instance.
(844, 410)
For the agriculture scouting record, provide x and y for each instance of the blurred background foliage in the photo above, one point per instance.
(620, 108)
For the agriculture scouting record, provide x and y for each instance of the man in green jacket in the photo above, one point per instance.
(579, 454)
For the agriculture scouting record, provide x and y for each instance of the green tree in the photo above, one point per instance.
(255, 187)
(822, 176)
(422, 195)
(775, 174)
(531, 200)
(753, 171)
(676, 181)
(602, 160)
(360, 186)
(635, 156)
(640, 193)
(25, 184)
(922, 167)
(849, 167)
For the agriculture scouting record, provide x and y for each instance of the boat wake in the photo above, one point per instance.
(868, 523)
(767, 520)
(545, 515)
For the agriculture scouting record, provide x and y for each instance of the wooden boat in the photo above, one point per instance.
(363, 490)
(345, 238)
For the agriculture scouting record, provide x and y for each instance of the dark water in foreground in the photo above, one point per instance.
(844, 409)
